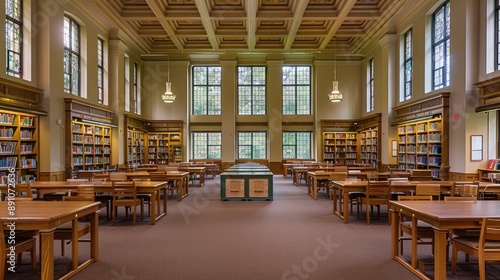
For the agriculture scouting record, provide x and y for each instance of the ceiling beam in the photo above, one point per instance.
(158, 11)
(202, 7)
(251, 7)
(343, 12)
(294, 26)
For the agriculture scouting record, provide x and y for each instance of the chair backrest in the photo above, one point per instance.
(118, 176)
(428, 189)
(77, 180)
(399, 174)
(338, 176)
(124, 189)
(378, 188)
(414, 197)
(23, 190)
(171, 168)
(101, 176)
(466, 188)
(398, 179)
(490, 231)
(341, 168)
(460, 198)
(158, 176)
(372, 175)
(85, 193)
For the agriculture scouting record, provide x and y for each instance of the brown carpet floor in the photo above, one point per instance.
(293, 237)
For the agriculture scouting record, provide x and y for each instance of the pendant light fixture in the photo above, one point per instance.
(168, 96)
(335, 95)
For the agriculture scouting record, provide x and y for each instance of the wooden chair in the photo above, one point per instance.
(424, 230)
(340, 168)
(118, 176)
(64, 232)
(428, 189)
(146, 197)
(466, 188)
(125, 194)
(162, 176)
(336, 176)
(23, 191)
(101, 176)
(421, 175)
(23, 244)
(323, 183)
(486, 247)
(463, 231)
(377, 194)
(395, 195)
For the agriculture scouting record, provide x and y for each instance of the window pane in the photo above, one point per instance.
(296, 90)
(207, 145)
(251, 90)
(13, 37)
(297, 145)
(71, 56)
(252, 145)
(441, 47)
(207, 91)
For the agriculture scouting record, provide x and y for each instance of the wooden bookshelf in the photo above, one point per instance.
(19, 132)
(89, 137)
(163, 148)
(135, 142)
(368, 143)
(352, 142)
(135, 147)
(91, 146)
(18, 146)
(340, 148)
(422, 128)
(153, 142)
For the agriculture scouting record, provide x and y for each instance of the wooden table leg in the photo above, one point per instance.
(394, 234)
(440, 246)
(345, 210)
(94, 236)
(74, 244)
(153, 208)
(47, 253)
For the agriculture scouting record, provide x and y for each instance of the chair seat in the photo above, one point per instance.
(473, 242)
(127, 201)
(421, 225)
(466, 232)
(69, 226)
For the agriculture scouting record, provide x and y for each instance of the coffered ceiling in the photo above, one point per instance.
(252, 26)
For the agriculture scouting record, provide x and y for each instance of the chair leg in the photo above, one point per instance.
(142, 209)
(453, 260)
(482, 269)
(62, 248)
(367, 214)
(133, 215)
(33, 258)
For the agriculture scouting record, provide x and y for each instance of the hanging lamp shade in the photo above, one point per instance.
(168, 96)
(335, 95)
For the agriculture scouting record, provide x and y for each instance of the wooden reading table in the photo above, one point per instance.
(443, 216)
(45, 216)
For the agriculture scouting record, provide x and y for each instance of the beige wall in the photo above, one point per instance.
(469, 56)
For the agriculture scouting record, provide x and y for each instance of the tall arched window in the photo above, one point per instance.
(14, 37)
(441, 47)
(71, 56)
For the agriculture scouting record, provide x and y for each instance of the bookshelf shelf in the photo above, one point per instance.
(89, 138)
(18, 146)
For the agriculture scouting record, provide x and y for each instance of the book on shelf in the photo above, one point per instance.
(493, 164)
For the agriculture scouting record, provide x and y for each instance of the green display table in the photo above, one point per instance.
(244, 183)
